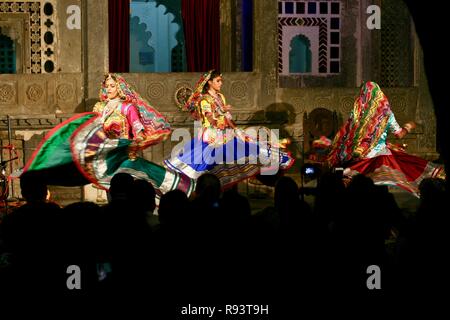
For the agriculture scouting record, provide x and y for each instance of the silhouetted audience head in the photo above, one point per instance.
(32, 187)
(286, 191)
(143, 194)
(330, 198)
(330, 183)
(293, 212)
(236, 204)
(208, 188)
(361, 184)
(173, 207)
(121, 187)
(80, 225)
(432, 199)
(431, 188)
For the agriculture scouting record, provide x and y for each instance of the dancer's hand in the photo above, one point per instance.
(140, 137)
(409, 126)
(227, 108)
(221, 125)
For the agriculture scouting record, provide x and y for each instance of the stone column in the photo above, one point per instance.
(68, 45)
(227, 38)
(425, 116)
(265, 50)
(95, 48)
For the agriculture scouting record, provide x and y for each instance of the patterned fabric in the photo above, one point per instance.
(131, 117)
(215, 107)
(221, 146)
(381, 147)
(92, 147)
(223, 131)
(397, 169)
(192, 105)
(53, 160)
(364, 128)
(321, 143)
(120, 120)
(198, 157)
(79, 151)
(361, 146)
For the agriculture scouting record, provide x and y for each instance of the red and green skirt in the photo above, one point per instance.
(397, 169)
(77, 152)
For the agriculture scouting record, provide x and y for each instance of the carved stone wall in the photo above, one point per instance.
(41, 94)
(37, 102)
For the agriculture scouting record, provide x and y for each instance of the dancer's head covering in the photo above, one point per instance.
(192, 105)
(362, 131)
(126, 92)
(156, 126)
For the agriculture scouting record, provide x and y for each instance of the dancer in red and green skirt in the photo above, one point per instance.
(91, 147)
(361, 145)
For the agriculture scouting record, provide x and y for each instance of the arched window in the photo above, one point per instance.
(155, 37)
(7, 55)
(320, 22)
(300, 55)
(184, 35)
(142, 55)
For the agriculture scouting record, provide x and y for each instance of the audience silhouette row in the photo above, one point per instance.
(212, 244)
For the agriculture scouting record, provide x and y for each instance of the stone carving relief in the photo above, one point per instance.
(48, 29)
(238, 90)
(326, 102)
(32, 123)
(64, 92)
(346, 105)
(155, 90)
(34, 92)
(7, 93)
(398, 104)
(15, 7)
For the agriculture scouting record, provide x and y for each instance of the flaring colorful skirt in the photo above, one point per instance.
(77, 152)
(397, 169)
(231, 162)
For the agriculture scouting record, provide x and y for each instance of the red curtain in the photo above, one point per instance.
(119, 35)
(201, 22)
